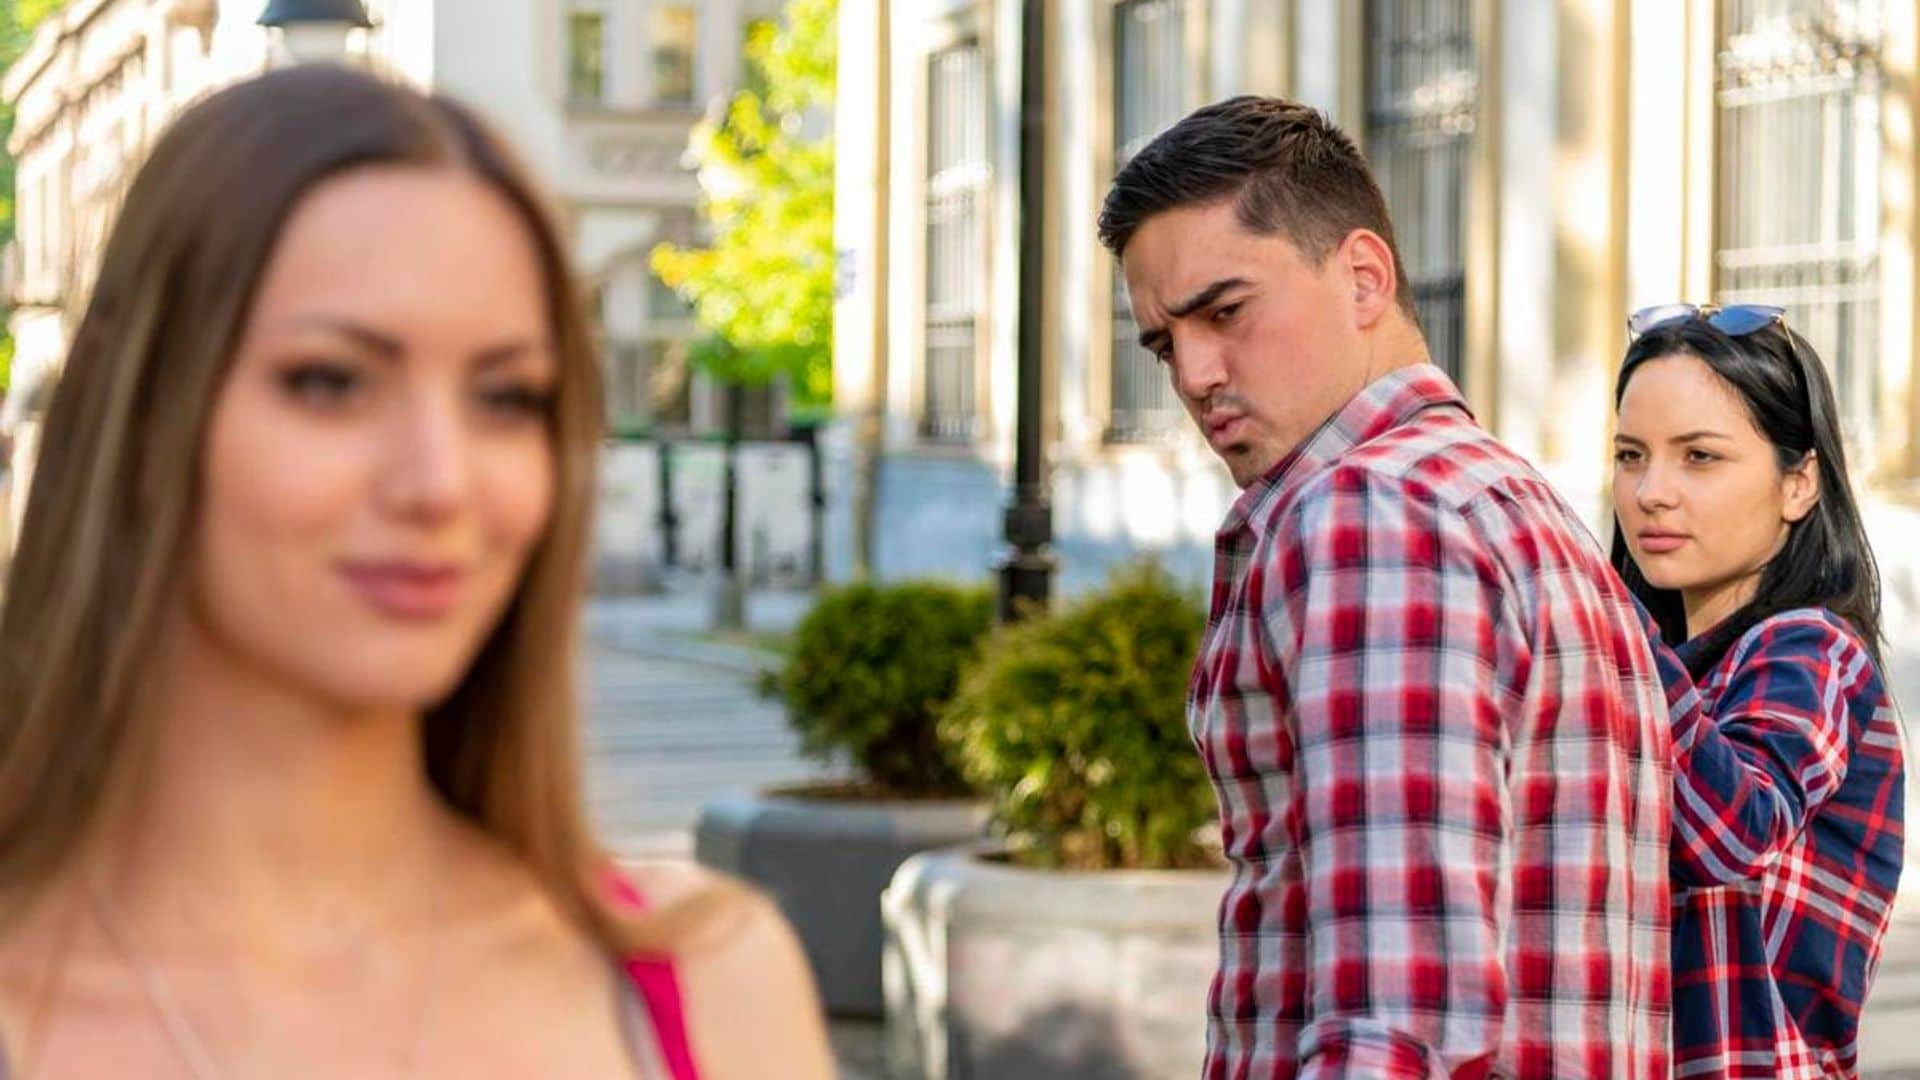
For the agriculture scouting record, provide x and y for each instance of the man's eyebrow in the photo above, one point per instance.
(1205, 296)
(1152, 336)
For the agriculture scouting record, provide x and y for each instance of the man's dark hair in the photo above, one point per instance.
(1289, 170)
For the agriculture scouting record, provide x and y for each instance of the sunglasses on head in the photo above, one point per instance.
(1734, 320)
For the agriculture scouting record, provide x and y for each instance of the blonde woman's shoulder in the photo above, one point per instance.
(752, 1010)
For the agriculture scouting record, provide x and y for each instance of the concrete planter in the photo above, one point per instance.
(826, 861)
(996, 972)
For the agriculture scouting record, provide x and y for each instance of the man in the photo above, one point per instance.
(1437, 737)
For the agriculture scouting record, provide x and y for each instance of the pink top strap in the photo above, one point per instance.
(658, 984)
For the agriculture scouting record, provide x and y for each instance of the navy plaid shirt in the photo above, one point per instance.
(1787, 832)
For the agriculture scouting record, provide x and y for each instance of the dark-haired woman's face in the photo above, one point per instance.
(1698, 490)
(379, 464)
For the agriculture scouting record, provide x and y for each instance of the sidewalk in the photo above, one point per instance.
(675, 720)
(1890, 1030)
(676, 623)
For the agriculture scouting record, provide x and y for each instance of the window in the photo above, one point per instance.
(648, 386)
(1150, 77)
(47, 240)
(664, 303)
(627, 410)
(956, 267)
(38, 234)
(646, 327)
(1798, 94)
(673, 36)
(760, 414)
(587, 56)
(1422, 89)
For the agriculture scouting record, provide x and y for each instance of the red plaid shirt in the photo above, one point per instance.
(1440, 750)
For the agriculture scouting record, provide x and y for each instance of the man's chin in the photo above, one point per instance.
(1246, 463)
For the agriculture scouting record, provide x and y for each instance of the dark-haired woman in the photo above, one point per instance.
(1737, 529)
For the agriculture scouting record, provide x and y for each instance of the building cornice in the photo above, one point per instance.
(39, 53)
(55, 42)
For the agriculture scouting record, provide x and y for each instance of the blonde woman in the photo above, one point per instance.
(289, 777)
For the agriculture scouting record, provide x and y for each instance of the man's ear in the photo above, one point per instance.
(1376, 286)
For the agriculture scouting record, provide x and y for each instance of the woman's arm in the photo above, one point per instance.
(1748, 775)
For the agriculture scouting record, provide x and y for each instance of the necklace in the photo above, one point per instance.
(180, 1032)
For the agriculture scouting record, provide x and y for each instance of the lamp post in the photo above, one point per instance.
(1027, 561)
(314, 30)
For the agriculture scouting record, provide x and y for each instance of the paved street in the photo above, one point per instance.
(666, 735)
(674, 721)
(1890, 1034)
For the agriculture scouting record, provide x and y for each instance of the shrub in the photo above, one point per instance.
(1076, 725)
(871, 668)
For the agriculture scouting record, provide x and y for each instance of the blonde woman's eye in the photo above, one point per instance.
(321, 383)
(519, 401)
(1625, 457)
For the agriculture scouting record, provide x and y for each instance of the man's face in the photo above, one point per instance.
(1262, 346)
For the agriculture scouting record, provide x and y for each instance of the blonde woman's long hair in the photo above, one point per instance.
(109, 520)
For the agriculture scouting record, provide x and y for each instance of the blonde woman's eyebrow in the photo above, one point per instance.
(385, 345)
(506, 352)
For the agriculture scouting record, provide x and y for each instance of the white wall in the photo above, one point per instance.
(503, 56)
(858, 211)
(1320, 74)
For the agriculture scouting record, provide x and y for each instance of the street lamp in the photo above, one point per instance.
(315, 30)
(1027, 562)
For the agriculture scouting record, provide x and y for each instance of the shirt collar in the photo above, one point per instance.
(1386, 403)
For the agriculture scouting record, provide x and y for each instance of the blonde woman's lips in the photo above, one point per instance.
(407, 590)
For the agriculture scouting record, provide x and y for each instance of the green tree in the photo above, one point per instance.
(763, 288)
(18, 18)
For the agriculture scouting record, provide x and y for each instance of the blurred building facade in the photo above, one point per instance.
(600, 95)
(1552, 165)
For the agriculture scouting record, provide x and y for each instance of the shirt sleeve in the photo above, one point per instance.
(1748, 774)
(1386, 616)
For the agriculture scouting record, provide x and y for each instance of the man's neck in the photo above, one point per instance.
(1396, 343)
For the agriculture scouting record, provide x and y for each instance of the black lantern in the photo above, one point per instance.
(313, 30)
(345, 13)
